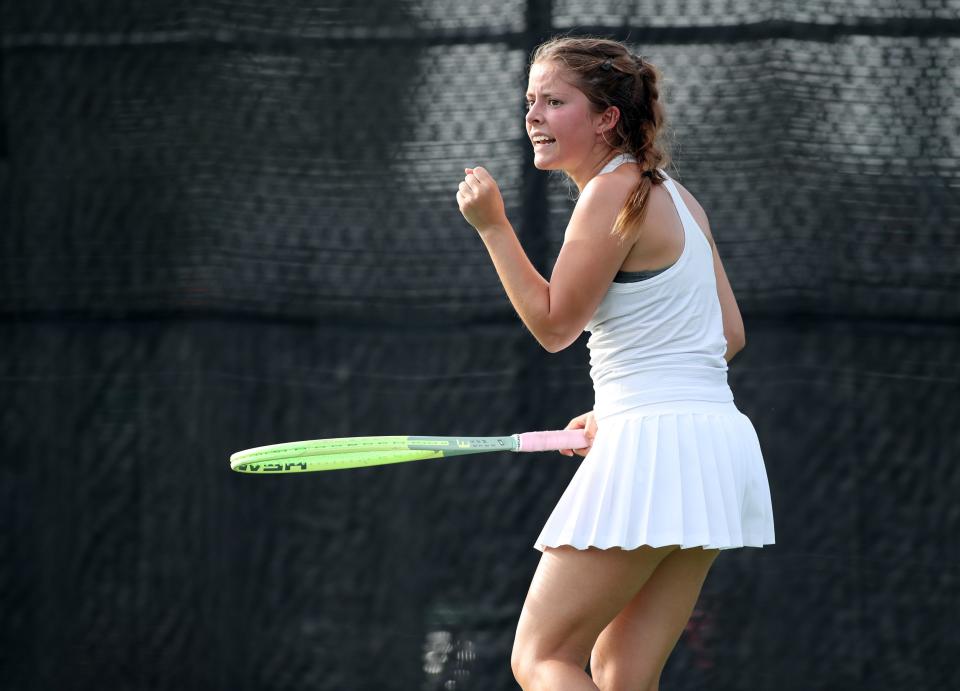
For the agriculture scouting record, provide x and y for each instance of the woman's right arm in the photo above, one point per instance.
(588, 424)
(733, 329)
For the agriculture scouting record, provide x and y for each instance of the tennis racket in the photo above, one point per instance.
(361, 452)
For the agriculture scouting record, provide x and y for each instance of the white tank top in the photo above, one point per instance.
(661, 339)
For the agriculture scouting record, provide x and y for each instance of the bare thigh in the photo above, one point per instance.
(632, 650)
(574, 595)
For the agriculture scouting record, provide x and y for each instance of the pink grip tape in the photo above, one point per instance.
(553, 441)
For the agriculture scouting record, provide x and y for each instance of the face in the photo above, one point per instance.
(560, 114)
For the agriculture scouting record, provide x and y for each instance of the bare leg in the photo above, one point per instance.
(633, 649)
(574, 595)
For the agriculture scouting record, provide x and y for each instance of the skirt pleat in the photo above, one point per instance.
(687, 473)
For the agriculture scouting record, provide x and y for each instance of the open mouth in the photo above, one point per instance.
(542, 141)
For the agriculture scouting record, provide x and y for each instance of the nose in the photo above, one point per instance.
(533, 115)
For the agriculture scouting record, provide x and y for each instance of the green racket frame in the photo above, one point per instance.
(359, 452)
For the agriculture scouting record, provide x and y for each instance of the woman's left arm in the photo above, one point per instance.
(554, 311)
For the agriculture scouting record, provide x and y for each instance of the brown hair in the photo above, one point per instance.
(610, 75)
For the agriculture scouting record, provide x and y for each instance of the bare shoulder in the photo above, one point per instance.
(614, 186)
(602, 198)
(695, 210)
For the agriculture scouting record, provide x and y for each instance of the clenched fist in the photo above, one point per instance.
(480, 200)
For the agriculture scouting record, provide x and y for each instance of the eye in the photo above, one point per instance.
(550, 102)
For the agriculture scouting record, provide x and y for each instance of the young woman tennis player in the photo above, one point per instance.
(675, 472)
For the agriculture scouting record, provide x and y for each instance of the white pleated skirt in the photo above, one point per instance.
(686, 473)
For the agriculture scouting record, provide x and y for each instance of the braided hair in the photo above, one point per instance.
(610, 75)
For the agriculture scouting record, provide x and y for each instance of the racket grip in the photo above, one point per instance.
(553, 440)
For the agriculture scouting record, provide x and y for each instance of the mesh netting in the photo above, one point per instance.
(300, 161)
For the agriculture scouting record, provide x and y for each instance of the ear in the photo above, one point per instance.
(608, 119)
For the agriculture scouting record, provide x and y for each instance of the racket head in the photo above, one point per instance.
(359, 452)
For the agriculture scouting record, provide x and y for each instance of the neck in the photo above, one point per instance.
(591, 165)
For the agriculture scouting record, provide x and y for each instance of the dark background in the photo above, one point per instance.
(230, 224)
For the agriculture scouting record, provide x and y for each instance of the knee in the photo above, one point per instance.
(522, 663)
(618, 673)
(518, 666)
(534, 668)
(602, 669)
(525, 659)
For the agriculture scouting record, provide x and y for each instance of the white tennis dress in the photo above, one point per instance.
(674, 461)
